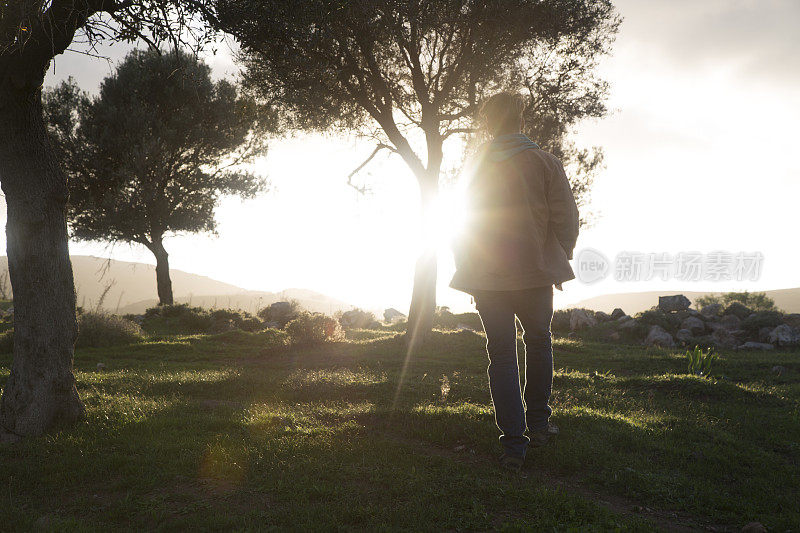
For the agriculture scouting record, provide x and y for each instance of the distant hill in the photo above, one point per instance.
(633, 302)
(132, 289)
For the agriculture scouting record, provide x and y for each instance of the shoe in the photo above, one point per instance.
(543, 436)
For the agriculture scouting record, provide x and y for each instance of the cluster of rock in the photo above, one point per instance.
(673, 323)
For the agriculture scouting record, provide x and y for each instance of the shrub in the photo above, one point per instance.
(182, 319)
(757, 301)
(560, 322)
(762, 319)
(167, 319)
(657, 317)
(358, 319)
(97, 329)
(700, 361)
(314, 328)
(471, 320)
(444, 319)
(280, 312)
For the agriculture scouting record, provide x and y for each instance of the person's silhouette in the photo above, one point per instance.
(522, 224)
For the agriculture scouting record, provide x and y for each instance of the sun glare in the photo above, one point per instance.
(448, 219)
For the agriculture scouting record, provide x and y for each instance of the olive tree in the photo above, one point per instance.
(409, 74)
(40, 391)
(152, 154)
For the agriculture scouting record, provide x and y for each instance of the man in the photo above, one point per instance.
(522, 224)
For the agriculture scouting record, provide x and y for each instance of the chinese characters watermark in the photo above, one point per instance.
(592, 266)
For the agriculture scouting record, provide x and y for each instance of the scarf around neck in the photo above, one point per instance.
(503, 147)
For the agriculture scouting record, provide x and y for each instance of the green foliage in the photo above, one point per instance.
(280, 312)
(95, 330)
(755, 301)
(357, 319)
(127, 183)
(762, 319)
(444, 319)
(182, 319)
(98, 329)
(560, 322)
(657, 317)
(700, 361)
(309, 329)
(152, 154)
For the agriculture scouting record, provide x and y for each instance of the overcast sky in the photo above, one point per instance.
(700, 150)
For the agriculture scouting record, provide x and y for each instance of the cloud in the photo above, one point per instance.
(760, 37)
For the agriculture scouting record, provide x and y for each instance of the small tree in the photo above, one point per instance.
(152, 154)
(409, 74)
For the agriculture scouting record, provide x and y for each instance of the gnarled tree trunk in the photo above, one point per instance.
(163, 281)
(40, 393)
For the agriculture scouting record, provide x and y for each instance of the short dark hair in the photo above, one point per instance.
(502, 111)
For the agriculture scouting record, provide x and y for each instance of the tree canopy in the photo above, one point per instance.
(151, 155)
(410, 74)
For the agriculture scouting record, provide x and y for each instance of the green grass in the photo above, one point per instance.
(231, 432)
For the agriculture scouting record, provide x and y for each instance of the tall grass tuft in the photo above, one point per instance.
(700, 361)
(97, 329)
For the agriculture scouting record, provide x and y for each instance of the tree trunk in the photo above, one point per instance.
(423, 296)
(40, 393)
(163, 282)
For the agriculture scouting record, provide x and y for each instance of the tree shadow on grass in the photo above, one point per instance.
(185, 465)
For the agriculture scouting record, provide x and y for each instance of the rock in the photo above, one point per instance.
(763, 334)
(614, 336)
(737, 309)
(684, 335)
(272, 325)
(617, 313)
(657, 336)
(750, 345)
(711, 310)
(679, 302)
(694, 325)
(580, 319)
(754, 527)
(778, 369)
(601, 316)
(393, 316)
(724, 338)
(731, 322)
(626, 323)
(783, 335)
(100, 367)
(792, 320)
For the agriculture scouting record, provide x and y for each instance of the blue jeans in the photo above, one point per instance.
(534, 308)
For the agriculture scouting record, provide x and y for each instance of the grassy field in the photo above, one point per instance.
(209, 432)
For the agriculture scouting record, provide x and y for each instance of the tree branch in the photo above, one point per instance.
(363, 190)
